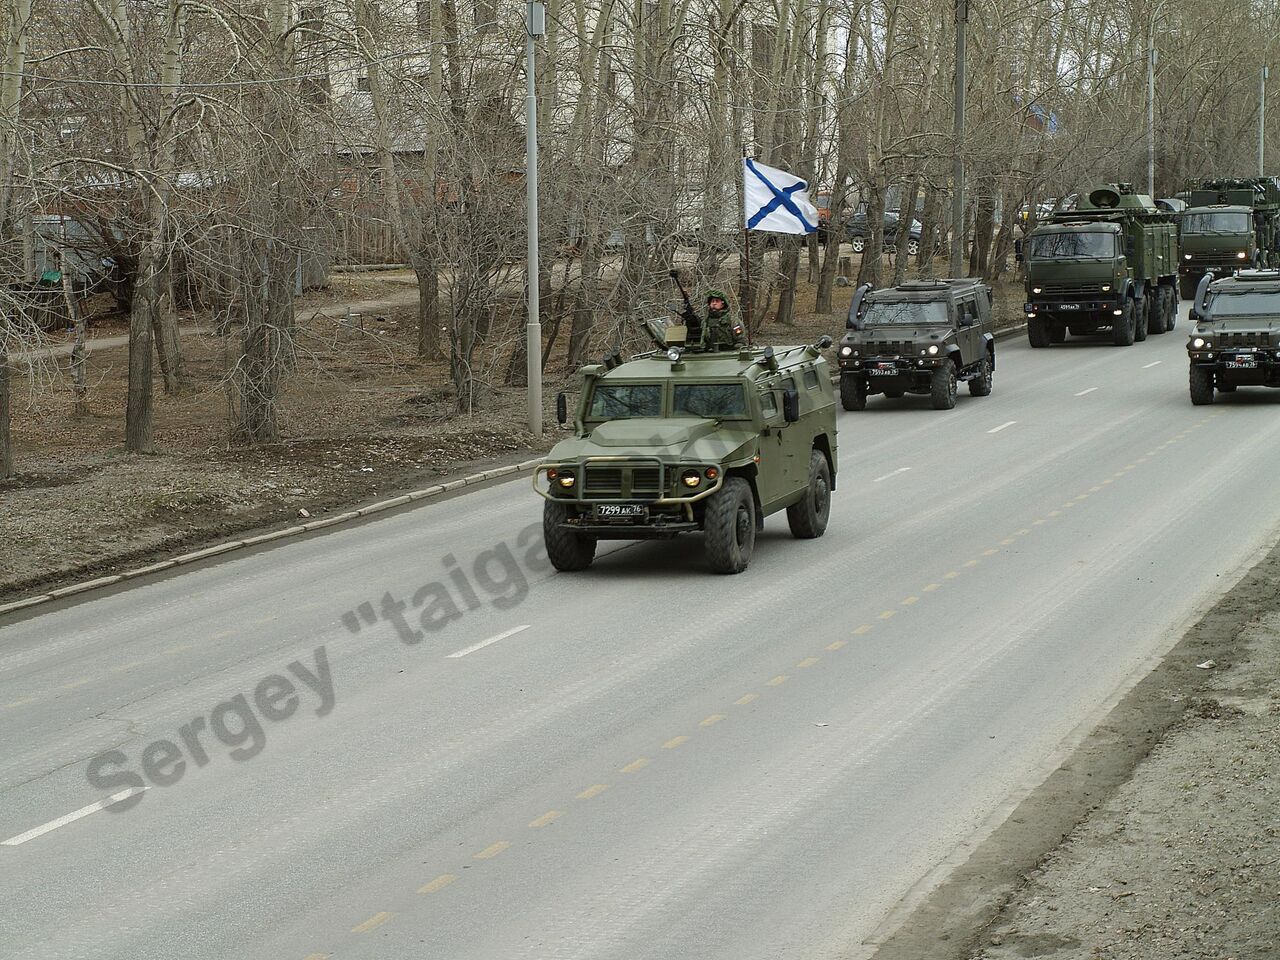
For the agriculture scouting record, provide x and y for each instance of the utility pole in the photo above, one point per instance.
(1151, 110)
(957, 200)
(537, 26)
(1262, 123)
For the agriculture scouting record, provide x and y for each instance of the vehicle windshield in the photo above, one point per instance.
(1237, 222)
(905, 313)
(617, 401)
(713, 400)
(1063, 246)
(1251, 304)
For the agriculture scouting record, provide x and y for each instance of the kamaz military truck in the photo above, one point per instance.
(922, 337)
(1229, 225)
(1110, 264)
(702, 434)
(1236, 338)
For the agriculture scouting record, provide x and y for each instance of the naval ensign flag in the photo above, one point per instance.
(775, 200)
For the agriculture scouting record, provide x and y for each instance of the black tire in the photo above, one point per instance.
(980, 386)
(1187, 286)
(1057, 331)
(1122, 326)
(808, 517)
(1173, 309)
(730, 527)
(853, 392)
(858, 244)
(1156, 313)
(1038, 332)
(913, 248)
(1141, 317)
(1201, 386)
(568, 550)
(942, 388)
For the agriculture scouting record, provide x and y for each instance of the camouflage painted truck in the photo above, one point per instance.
(1109, 265)
(1236, 338)
(700, 435)
(1228, 225)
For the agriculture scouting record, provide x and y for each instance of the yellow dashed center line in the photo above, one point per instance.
(864, 628)
(1108, 480)
(126, 666)
(674, 742)
(543, 820)
(637, 764)
(930, 587)
(19, 703)
(377, 920)
(593, 791)
(971, 563)
(747, 698)
(885, 615)
(178, 648)
(1023, 532)
(77, 683)
(438, 884)
(488, 853)
(910, 600)
(316, 956)
(990, 551)
(712, 720)
(806, 662)
(950, 575)
(776, 681)
(833, 646)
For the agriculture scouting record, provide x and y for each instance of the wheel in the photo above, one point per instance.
(980, 386)
(913, 247)
(942, 389)
(1122, 326)
(1057, 331)
(1201, 386)
(1172, 320)
(895, 394)
(857, 243)
(730, 526)
(853, 392)
(568, 550)
(1141, 313)
(1187, 287)
(1157, 311)
(1038, 332)
(808, 517)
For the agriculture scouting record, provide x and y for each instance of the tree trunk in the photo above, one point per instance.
(138, 436)
(76, 316)
(6, 446)
(788, 270)
(906, 216)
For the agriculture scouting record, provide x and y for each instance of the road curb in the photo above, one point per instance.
(243, 543)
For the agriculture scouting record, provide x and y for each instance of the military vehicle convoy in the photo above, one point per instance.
(1228, 225)
(1236, 338)
(1112, 263)
(702, 434)
(920, 337)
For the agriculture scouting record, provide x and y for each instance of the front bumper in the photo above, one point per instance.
(1085, 305)
(1240, 367)
(893, 370)
(1218, 267)
(650, 481)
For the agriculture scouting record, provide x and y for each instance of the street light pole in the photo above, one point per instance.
(533, 331)
(1262, 122)
(957, 200)
(1151, 109)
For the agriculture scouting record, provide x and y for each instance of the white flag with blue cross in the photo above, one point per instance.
(775, 200)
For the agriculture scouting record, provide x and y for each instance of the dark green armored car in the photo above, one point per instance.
(1236, 338)
(919, 337)
(705, 435)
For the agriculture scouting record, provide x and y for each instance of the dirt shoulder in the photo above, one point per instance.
(1160, 838)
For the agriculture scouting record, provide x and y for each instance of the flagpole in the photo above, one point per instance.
(744, 283)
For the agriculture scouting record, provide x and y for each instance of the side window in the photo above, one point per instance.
(768, 404)
(811, 379)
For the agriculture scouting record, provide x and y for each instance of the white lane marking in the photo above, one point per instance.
(484, 643)
(1148, 366)
(1083, 392)
(894, 474)
(1002, 426)
(71, 817)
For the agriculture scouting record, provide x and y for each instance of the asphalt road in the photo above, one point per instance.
(660, 763)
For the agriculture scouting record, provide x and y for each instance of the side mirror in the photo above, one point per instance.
(855, 307)
(790, 406)
(1200, 303)
(562, 409)
(823, 342)
(1193, 316)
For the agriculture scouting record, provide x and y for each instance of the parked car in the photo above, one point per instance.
(855, 230)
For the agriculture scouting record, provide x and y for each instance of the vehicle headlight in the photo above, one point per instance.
(1242, 255)
(846, 351)
(1186, 256)
(1037, 289)
(691, 478)
(933, 349)
(1197, 343)
(1106, 288)
(567, 480)
(673, 354)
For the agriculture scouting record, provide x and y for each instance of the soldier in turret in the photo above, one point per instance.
(721, 330)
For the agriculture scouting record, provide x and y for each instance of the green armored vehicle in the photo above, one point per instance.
(702, 434)
(1110, 264)
(1229, 225)
(919, 337)
(1236, 339)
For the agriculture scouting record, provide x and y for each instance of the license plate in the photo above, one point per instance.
(1242, 363)
(1068, 306)
(884, 370)
(619, 511)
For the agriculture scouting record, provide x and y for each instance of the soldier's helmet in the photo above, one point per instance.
(717, 305)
